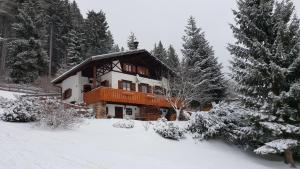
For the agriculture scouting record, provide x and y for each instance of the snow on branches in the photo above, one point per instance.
(276, 146)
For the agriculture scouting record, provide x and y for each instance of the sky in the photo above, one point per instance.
(165, 20)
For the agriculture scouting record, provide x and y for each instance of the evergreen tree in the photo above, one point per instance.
(160, 52)
(266, 64)
(98, 38)
(74, 49)
(172, 59)
(200, 61)
(76, 17)
(27, 59)
(59, 23)
(131, 40)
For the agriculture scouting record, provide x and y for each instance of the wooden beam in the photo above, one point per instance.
(94, 76)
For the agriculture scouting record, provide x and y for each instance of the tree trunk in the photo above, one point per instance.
(177, 114)
(288, 158)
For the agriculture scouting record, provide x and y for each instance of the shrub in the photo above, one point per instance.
(124, 123)
(168, 129)
(54, 114)
(227, 121)
(24, 109)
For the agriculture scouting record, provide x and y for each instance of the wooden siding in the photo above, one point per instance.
(127, 97)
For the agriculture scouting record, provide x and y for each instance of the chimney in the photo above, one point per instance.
(136, 44)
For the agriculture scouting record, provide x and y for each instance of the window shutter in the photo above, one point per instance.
(149, 89)
(132, 86)
(120, 84)
(133, 69)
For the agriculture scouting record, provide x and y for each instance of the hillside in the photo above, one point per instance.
(98, 145)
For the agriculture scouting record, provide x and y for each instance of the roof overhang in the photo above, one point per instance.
(93, 59)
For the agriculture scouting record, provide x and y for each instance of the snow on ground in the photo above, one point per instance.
(8, 95)
(99, 145)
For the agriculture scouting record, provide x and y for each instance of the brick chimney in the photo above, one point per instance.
(136, 44)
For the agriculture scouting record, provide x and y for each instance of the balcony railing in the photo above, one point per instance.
(108, 94)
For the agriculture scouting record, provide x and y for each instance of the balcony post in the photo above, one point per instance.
(94, 76)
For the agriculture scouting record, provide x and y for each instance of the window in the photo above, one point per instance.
(145, 88)
(105, 83)
(143, 71)
(129, 68)
(129, 111)
(126, 85)
(67, 94)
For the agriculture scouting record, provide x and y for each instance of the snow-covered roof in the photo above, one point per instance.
(92, 59)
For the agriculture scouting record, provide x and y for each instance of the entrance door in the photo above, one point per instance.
(119, 112)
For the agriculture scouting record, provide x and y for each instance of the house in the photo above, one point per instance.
(120, 85)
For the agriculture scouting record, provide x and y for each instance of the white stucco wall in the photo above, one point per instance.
(116, 76)
(74, 83)
(111, 110)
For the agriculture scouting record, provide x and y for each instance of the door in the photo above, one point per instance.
(119, 112)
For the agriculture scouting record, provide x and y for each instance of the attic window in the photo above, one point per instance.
(67, 94)
(129, 68)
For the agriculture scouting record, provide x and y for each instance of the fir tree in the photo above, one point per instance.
(74, 49)
(27, 59)
(200, 61)
(98, 39)
(59, 23)
(131, 40)
(172, 59)
(160, 52)
(76, 17)
(266, 64)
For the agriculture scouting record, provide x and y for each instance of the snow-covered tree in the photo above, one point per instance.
(74, 49)
(266, 64)
(131, 40)
(181, 90)
(201, 63)
(26, 56)
(172, 59)
(160, 52)
(97, 36)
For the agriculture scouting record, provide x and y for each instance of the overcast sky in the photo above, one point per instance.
(165, 20)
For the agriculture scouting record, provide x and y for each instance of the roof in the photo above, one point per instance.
(92, 59)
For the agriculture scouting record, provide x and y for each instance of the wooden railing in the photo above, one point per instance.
(121, 96)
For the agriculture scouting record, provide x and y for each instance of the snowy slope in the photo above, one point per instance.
(98, 145)
(8, 95)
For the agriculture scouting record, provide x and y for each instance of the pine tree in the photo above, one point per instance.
(98, 39)
(266, 64)
(172, 59)
(27, 59)
(200, 61)
(160, 52)
(131, 40)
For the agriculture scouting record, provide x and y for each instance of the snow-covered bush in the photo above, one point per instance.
(168, 129)
(124, 123)
(227, 121)
(24, 109)
(54, 114)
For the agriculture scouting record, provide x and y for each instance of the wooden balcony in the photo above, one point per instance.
(107, 94)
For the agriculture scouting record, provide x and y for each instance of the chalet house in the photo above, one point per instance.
(119, 85)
